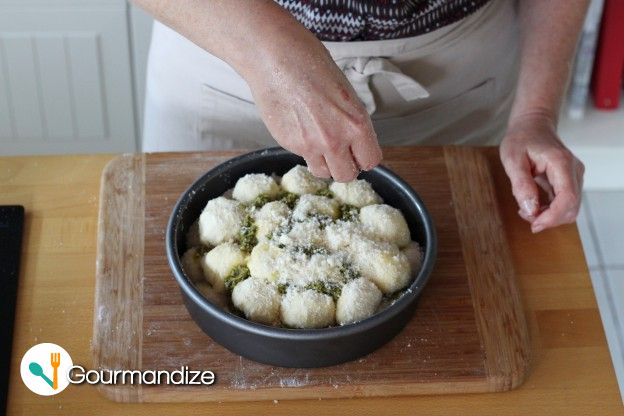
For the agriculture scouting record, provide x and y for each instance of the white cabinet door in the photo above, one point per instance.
(65, 77)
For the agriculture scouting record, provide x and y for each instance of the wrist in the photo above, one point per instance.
(530, 116)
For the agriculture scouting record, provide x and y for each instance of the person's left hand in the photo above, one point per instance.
(533, 155)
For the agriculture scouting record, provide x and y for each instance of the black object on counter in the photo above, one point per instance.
(11, 229)
(296, 347)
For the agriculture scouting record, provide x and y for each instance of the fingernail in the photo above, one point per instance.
(529, 206)
(536, 228)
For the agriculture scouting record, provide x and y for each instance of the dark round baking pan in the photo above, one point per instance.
(296, 347)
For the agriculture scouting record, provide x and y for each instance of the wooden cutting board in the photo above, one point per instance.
(468, 333)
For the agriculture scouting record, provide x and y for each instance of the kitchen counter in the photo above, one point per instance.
(571, 371)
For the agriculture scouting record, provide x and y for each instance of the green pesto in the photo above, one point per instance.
(322, 219)
(289, 199)
(282, 229)
(282, 287)
(348, 212)
(247, 234)
(260, 200)
(325, 192)
(331, 289)
(237, 275)
(348, 272)
(310, 250)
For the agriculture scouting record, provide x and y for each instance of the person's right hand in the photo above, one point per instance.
(311, 109)
(304, 99)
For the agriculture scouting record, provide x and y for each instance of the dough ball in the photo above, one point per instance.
(359, 300)
(301, 233)
(358, 193)
(191, 264)
(262, 261)
(220, 221)
(258, 300)
(385, 223)
(307, 309)
(300, 181)
(219, 299)
(340, 235)
(414, 255)
(252, 185)
(315, 204)
(300, 268)
(219, 262)
(383, 264)
(269, 217)
(192, 236)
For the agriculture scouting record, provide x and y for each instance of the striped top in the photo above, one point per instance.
(349, 20)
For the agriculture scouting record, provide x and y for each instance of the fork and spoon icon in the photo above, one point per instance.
(55, 361)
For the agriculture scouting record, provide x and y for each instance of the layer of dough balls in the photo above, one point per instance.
(300, 181)
(309, 249)
(307, 309)
(358, 193)
(359, 300)
(385, 223)
(220, 221)
(382, 263)
(191, 264)
(219, 262)
(315, 204)
(414, 255)
(258, 300)
(217, 298)
(269, 217)
(252, 185)
(192, 236)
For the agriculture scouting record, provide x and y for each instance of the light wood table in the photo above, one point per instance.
(571, 372)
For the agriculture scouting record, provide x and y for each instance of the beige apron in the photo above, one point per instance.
(452, 85)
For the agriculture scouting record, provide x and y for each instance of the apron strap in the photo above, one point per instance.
(359, 71)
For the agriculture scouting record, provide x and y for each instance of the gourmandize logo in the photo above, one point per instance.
(44, 369)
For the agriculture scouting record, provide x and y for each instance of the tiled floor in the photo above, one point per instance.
(601, 225)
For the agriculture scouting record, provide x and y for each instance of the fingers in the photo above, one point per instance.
(366, 150)
(562, 210)
(542, 182)
(564, 173)
(357, 148)
(317, 166)
(523, 186)
(341, 165)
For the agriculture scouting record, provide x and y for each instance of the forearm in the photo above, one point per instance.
(243, 33)
(304, 99)
(549, 34)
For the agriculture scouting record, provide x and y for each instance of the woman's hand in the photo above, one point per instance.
(305, 100)
(533, 155)
(311, 109)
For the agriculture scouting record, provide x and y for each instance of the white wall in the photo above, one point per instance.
(141, 34)
(66, 76)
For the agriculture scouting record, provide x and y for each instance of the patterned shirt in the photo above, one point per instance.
(349, 20)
